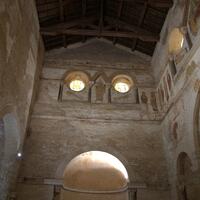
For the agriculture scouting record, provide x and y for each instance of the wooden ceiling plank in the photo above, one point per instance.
(142, 17)
(125, 26)
(160, 4)
(101, 15)
(66, 25)
(61, 10)
(118, 17)
(62, 19)
(84, 8)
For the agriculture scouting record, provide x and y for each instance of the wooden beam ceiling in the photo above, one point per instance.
(133, 23)
(125, 26)
(131, 31)
(66, 25)
(122, 34)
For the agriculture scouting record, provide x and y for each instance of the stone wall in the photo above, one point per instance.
(61, 130)
(21, 53)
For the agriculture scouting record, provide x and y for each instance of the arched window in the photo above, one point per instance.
(175, 41)
(93, 174)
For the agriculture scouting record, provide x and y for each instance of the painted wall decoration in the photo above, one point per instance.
(99, 90)
(162, 94)
(149, 97)
(144, 98)
(166, 89)
(154, 101)
(169, 81)
(175, 130)
(194, 16)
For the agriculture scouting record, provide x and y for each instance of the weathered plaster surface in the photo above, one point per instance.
(61, 130)
(19, 64)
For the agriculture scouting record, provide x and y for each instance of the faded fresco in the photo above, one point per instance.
(194, 16)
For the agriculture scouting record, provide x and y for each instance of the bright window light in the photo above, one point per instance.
(19, 154)
(122, 83)
(121, 87)
(77, 85)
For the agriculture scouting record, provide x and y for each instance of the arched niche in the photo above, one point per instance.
(184, 165)
(188, 182)
(100, 88)
(183, 173)
(95, 175)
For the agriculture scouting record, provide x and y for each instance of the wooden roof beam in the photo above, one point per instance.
(118, 16)
(66, 25)
(156, 3)
(128, 27)
(144, 36)
(84, 7)
(142, 17)
(160, 3)
(101, 15)
(61, 10)
(62, 18)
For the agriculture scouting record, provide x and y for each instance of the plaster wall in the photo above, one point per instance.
(175, 18)
(20, 59)
(181, 110)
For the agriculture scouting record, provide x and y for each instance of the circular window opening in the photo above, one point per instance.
(176, 40)
(77, 81)
(77, 85)
(122, 83)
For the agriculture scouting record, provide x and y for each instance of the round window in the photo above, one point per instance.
(122, 83)
(77, 81)
(77, 85)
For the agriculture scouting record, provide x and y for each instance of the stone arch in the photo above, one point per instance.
(95, 175)
(131, 75)
(60, 170)
(75, 70)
